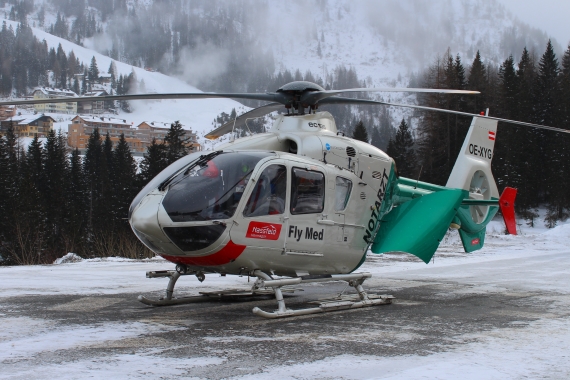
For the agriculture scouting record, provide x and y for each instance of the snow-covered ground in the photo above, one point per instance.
(537, 262)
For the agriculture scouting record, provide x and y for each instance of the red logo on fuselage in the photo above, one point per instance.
(266, 231)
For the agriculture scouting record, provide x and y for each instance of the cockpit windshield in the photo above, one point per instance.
(210, 189)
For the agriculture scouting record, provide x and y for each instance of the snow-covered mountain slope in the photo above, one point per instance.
(380, 39)
(384, 39)
(197, 115)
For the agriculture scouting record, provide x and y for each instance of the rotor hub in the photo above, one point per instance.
(300, 87)
(296, 92)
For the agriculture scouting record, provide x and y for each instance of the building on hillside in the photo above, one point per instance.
(82, 127)
(138, 138)
(29, 126)
(158, 130)
(7, 112)
(93, 107)
(48, 92)
(105, 78)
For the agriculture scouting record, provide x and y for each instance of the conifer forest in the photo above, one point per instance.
(54, 200)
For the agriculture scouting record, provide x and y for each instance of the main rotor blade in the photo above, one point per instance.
(269, 97)
(341, 100)
(314, 97)
(404, 89)
(241, 120)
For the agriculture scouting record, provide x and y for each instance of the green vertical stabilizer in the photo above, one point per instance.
(418, 226)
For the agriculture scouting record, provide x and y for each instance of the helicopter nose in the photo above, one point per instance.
(144, 221)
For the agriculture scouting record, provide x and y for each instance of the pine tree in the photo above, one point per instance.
(433, 132)
(530, 172)
(35, 162)
(175, 142)
(124, 181)
(506, 160)
(56, 173)
(477, 81)
(360, 132)
(76, 88)
(551, 147)
(84, 83)
(154, 162)
(11, 172)
(93, 71)
(3, 193)
(26, 232)
(92, 175)
(103, 213)
(21, 227)
(460, 125)
(401, 149)
(60, 29)
(113, 71)
(76, 206)
(565, 120)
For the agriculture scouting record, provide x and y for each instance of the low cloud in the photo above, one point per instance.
(201, 64)
(101, 43)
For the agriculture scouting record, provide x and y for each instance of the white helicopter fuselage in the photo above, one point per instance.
(309, 206)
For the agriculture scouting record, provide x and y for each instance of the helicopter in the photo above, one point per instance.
(304, 203)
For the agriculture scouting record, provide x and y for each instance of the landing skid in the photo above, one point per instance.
(342, 302)
(204, 296)
(266, 286)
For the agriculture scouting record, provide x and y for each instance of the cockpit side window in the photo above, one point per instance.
(342, 193)
(269, 194)
(307, 191)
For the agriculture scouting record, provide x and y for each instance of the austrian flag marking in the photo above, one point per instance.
(264, 231)
(492, 135)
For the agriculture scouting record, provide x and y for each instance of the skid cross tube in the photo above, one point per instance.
(354, 279)
(174, 275)
(169, 299)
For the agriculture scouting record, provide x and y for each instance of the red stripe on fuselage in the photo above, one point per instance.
(228, 253)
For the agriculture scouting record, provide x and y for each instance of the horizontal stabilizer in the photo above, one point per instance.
(418, 226)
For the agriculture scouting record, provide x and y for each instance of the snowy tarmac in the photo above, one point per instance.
(500, 313)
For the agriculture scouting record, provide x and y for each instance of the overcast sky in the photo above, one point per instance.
(552, 16)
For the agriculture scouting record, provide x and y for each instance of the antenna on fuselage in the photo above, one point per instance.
(234, 127)
(419, 175)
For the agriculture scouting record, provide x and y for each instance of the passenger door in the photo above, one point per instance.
(260, 223)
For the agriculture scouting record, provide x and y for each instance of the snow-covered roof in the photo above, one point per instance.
(29, 119)
(95, 93)
(104, 75)
(104, 120)
(156, 124)
(55, 92)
